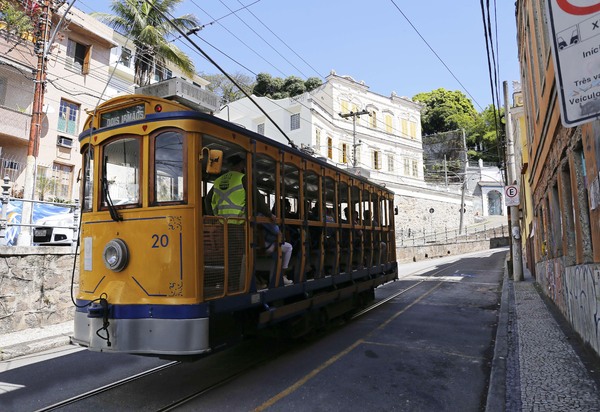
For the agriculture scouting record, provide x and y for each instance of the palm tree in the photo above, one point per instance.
(143, 22)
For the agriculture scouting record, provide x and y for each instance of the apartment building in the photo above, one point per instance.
(562, 169)
(76, 73)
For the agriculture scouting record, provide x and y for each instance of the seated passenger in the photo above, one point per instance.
(271, 237)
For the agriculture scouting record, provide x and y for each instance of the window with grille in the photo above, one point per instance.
(295, 121)
(68, 116)
(390, 163)
(260, 128)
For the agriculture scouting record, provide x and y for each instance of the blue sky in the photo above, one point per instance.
(370, 41)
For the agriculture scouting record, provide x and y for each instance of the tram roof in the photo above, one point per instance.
(189, 113)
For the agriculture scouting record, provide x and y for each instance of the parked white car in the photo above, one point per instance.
(54, 230)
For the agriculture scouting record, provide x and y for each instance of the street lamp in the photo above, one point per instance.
(354, 115)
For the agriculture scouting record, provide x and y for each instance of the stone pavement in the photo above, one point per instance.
(538, 365)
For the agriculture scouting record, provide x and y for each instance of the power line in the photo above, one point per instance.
(436, 55)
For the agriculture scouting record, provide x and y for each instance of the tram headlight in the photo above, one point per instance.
(115, 255)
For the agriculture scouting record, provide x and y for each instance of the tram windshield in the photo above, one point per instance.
(121, 169)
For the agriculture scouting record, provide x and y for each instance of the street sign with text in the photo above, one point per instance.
(574, 27)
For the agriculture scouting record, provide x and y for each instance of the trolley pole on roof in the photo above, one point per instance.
(354, 115)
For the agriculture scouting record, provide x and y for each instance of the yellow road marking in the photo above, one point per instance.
(291, 389)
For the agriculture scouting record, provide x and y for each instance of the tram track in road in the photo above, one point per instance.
(106, 388)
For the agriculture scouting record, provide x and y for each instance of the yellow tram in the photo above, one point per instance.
(164, 273)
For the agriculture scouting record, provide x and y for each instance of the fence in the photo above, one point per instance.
(51, 181)
(475, 233)
(11, 226)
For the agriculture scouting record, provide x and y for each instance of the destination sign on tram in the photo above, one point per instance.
(120, 116)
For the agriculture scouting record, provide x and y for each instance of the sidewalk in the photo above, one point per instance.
(29, 341)
(536, 365)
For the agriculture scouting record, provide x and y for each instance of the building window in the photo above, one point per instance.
(415, 168)
(374, 119)
(404, 127)
(345, 107)
(406, 166)
(344, 157)
(413, 130)
(295, 121)
(126, 57)
(78, 57)
(330, 147)
(376, 160)
(260, 129)
(68, 116)
(62, 175)
(388, 123)
(2, 91)
(390, 163)
(318, 139)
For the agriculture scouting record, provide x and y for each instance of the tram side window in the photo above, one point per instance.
(291, 179)
(121, 172)
(311, 195)
(265, 184)
(88, 182)
(169, 177)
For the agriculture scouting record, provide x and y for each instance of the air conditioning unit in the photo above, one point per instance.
(64, 142)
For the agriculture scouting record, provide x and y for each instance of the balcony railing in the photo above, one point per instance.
(14, 123)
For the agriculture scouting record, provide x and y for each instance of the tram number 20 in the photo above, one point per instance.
(159, 241)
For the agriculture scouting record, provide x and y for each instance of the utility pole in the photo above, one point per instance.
(41, 39)
(354, 115)
(462, 193)
(517, 259)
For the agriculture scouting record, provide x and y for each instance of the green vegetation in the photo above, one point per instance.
(151, 33)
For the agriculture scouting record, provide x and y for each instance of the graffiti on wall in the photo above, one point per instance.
(552, 281)
(583, 296)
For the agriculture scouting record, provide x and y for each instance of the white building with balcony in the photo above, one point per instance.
(384, 145)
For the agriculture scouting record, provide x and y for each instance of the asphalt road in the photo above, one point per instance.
(428, 348)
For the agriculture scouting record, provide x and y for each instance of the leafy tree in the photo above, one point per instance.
(18, 22)
(229, 92)
(278, 88)
(482, 139)
(445, 110)
(151, 33)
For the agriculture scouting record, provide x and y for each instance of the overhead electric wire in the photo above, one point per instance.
(281, 40)
(436, 55)
(231, 79)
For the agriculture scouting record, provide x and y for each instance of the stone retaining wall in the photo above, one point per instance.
(35, 287)
(416, 253)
